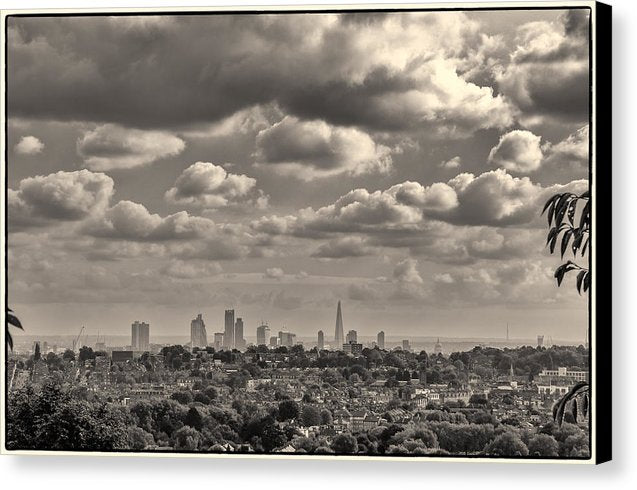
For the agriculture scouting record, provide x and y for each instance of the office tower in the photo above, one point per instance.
(338, 333)
(263, 334)
(406, 345)
(198, 335)
(321, 340)
(218, 343)
(239, 341)
(287, 339)
(540, 340)
(380, 340)
(228, 333)
(353, 348)
(140, 336)
(351, 336)
(274, 341)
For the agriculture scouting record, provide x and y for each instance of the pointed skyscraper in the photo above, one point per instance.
(338, 333)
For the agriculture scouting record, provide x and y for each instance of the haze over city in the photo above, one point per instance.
(161, 167)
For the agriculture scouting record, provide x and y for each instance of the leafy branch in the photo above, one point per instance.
(570, 232)
(576, 402)
(11, 320)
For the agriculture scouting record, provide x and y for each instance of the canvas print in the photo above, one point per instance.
(300, 233)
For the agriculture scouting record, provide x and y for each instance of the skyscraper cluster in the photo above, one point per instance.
(232, 332)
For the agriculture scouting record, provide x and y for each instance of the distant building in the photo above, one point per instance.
(100, 346)
(140, 336)
(406, 345)
(218, 343)
(540, 340)
(287, 339)
(198, 335)
(263, 334)
(353, 348)
(564, 373)
(380, 340)
(321, 340)
(274, 341)
(122, 356)
(338, 331)
(228, 333)
(239, 341)
(352, 336)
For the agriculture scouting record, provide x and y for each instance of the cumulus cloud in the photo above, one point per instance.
(374, 71)
(206, 185)
(274, 273)
(310, 149)
(547, 75)
(520, 282)
(517, 151)
(62, 196)
(493, 198)
(132, 221)
(422, 218)
(111, 146)
(572, 152)
(28, 145)
(451, 163)
(406, 271)
(351, 246)
(436, 197)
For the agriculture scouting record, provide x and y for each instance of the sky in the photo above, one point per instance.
(164, 166)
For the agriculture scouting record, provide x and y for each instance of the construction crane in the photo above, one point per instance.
(77, 340)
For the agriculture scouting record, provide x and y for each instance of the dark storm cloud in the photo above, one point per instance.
(392, 72)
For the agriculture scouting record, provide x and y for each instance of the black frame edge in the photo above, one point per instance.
(602, 208)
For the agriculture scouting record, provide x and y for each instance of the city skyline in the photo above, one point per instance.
(402, 169)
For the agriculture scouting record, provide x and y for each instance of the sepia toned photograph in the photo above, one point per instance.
(308, 232)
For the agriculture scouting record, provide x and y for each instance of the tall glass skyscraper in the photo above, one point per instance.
(263, 335)
(228, 333)
(239, 341)
(198, 335)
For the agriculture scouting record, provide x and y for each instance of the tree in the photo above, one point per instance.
(13, 320)
(86, 353)
(36, 354)
(288, 409)
(68, 355)
(507, 444)
(310, 416)
(562, 210)
(138, 438)
(186, 438)
(326, 417)
(345, 444)
(194, 418)
(63, 423)
(543, 445)
(183, 397)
